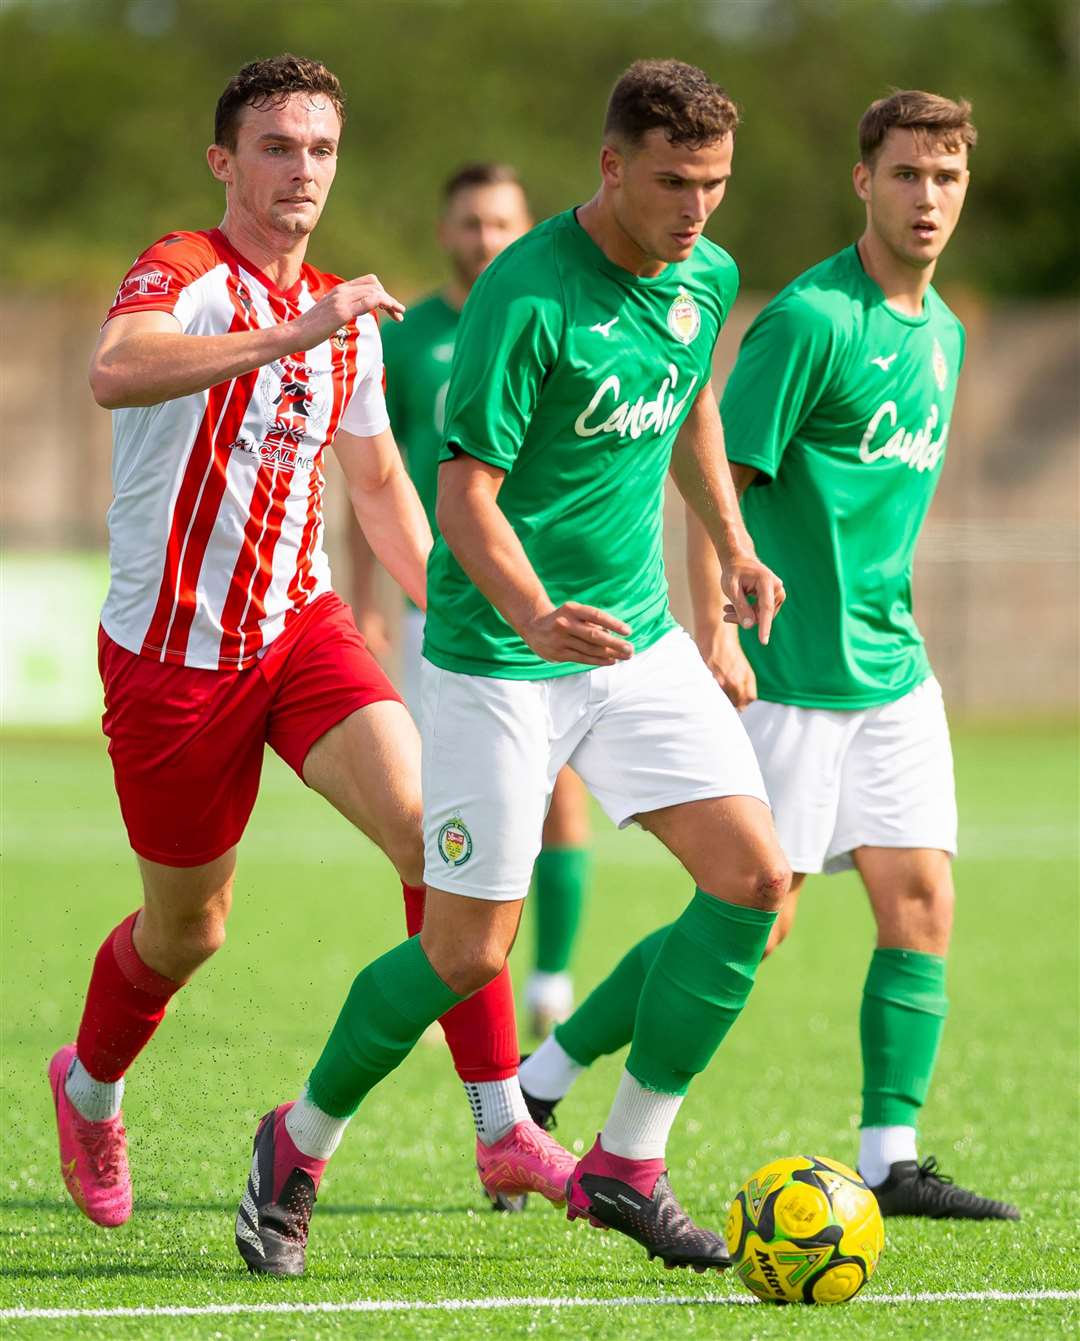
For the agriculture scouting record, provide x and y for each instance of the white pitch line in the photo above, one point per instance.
(497, 1302)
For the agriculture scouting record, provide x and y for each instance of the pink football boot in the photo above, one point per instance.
(93, 1155)
(526, 1159)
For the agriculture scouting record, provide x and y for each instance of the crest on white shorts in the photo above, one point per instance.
(684, 318)
(455, 842)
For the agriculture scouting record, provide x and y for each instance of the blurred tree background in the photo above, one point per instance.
(107, 107)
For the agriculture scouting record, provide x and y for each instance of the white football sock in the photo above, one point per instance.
(497, 1105)
(314, 1133)
(881, 1147)
(549, 1072)
(96, 1100)
(552, 993)
(639, 1121)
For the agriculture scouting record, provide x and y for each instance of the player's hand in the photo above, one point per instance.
(730, 669)
(342, 304)
(576, 632)
(755, 592)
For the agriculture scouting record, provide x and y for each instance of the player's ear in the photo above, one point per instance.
(611, 165)
(220, 161)
(860, 177)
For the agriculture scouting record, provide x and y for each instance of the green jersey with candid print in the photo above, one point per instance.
(417, 353)
(843, 404)
(574, 376)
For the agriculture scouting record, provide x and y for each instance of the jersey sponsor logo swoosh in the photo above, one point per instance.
(604, 327)
(885, 362)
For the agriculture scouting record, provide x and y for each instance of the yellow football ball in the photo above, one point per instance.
(805, 1230)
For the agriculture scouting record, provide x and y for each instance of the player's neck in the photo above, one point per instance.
(599, 221)
(280, 258)
(903, 285)
(455, 292)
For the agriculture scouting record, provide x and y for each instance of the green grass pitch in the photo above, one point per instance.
(400, 1217)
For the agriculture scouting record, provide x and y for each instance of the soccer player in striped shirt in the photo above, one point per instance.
(232, 366)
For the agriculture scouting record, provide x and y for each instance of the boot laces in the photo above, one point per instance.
(104, 1147)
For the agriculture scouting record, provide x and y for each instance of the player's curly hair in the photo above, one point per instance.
(671, 96)
(268, 83)
(940, 119)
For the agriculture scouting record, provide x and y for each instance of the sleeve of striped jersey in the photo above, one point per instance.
(158, 279)
(365, 415)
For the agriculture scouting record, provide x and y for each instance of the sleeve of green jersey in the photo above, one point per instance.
(507, 344)
(777, 380)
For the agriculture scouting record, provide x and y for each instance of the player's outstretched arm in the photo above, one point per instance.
(144, 358)
(699, 466)
(387, 507)
(488, 549)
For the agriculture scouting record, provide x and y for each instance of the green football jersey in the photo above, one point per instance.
(843, 404)
(574, 376)
(417, 353)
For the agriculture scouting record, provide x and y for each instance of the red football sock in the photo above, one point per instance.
(125, 1003)
(481, 1032)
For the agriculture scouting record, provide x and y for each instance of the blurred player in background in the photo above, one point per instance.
(484, 209)
(581, 377)
(232, 366)
(837, 418)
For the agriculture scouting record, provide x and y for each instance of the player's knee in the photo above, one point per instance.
(770, 886)
(407, 856)
(468, 968)
(403, 843)
(199, 938)
(929, 896)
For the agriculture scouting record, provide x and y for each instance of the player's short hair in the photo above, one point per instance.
(268, 83)
(940, 119)
(480, 174)
(667, 95)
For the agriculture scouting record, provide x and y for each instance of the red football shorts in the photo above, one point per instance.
(187, 744)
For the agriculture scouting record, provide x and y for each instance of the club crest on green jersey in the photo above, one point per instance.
(684, 318)
(937, 362)
(455, 842)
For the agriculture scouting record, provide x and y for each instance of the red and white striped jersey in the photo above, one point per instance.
(216, 526)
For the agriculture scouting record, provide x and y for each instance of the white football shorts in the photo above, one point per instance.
(877, 777)
(650, 732)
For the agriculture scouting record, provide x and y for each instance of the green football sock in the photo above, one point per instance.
(560, 876)
(695, 990)
(903, 1014)
(604, 1022)
(389, 1006)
